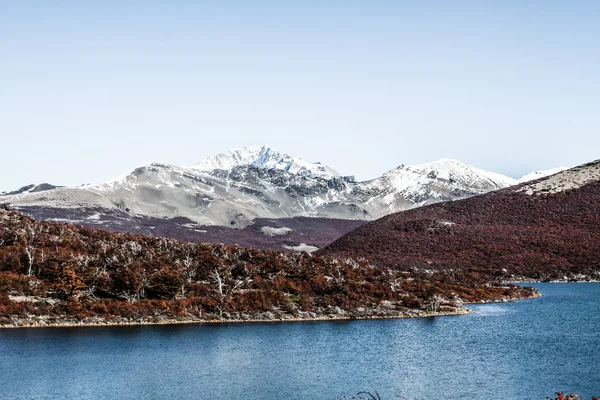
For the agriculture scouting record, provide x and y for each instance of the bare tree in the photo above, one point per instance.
(224, 289)
(29, 235)
(221, 295)
(188, 268)
(434, 302)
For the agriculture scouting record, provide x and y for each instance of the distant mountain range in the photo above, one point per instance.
(235, 188)
(544, 229)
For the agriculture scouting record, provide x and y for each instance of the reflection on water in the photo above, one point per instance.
(492, 309)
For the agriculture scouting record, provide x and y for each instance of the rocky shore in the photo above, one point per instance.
(46, 322)
(335, 315)
(507, 299)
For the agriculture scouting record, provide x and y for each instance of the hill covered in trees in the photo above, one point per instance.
(53, 274)
(545, 229)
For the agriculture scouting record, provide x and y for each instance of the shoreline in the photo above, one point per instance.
(535, 295)
(82, 324)
(190, 321)
(519, 281)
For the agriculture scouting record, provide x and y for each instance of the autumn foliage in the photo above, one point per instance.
(52, 272)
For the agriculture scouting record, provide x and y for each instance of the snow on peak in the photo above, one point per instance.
(451, 171)
(454, 170)
(267, 158)
(231, 158)
(540, 174)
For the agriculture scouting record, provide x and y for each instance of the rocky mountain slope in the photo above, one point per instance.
(545, 229)
(235, 188)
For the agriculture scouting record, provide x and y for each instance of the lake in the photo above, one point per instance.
(521, 350)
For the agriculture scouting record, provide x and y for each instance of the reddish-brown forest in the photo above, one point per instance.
(52, 272)
(508, 233)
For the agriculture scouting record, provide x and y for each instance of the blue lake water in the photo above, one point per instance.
(520, 350)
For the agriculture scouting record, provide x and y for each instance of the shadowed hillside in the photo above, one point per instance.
(263, 233)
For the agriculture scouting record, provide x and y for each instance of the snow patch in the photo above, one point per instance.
(302, 247)
(271, 231)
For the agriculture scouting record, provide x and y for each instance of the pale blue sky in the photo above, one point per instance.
(89, 90)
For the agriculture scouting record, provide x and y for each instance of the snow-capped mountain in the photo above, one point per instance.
(236, 187)
(265, 157)
(411, 186)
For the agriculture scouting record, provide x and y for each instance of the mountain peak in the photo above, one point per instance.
(265, 157)
(232, 158)
(452, 170)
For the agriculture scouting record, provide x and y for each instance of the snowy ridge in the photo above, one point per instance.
(266, 158)
(454, 170)
(230, 159)
(412, 186)
(236, 187)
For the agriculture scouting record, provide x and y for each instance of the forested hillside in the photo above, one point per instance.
(53, 273)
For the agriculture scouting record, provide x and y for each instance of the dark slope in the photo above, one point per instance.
(317, 232)
(33, 188)
(542, 229)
